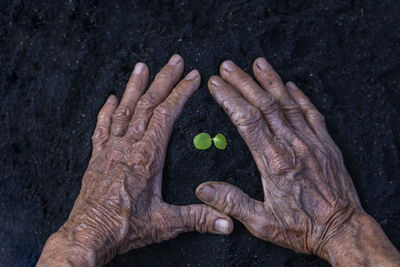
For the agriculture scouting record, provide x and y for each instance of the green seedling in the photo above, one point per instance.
(203, 141)
(220, 141)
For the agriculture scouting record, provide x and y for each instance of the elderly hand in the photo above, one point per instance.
(120, 206)
(310, 204)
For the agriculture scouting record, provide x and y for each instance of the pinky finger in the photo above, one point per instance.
(104, 120)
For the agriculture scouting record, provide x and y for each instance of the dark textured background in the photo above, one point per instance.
(60, 59)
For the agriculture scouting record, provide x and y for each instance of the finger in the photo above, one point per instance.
(247, 118)
(165, 115)
(265, 102)
(230, 200)
(171, 220)
(258, 97)
(273, 84)
(104, 120)
(163, 83)
(133, 91)
(266, 151)
(314, 118)
(204, 219)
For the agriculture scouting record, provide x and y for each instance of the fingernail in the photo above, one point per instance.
(174, 60)
(222, 226)
(192, 75)
(229, 66)
(215, 82)
(263, 64)
(207, 193)
(110, 99)
(139, 67)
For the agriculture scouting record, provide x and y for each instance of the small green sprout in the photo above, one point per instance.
(203, 141)
(220, 141)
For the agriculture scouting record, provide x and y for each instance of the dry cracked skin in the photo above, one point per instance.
(310, 204)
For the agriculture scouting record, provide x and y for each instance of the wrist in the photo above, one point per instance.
(84, 240)
(89, 233)
(360, 242)
(59, 250)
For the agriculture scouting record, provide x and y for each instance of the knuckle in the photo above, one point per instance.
(227, 203)
(138, 126)
(246, 116)
(163, 110)
(280, 164)
(102, 116)
(99, 135)
(118, 129)
(268, 105)
(314, 116)
(147, 101)
(233, 204)
(242, 205)
(134, 83)
(122, 114)
(302, 147)
(200, 220)
(182, 88)
(245, 81)
(290, 107)
(139, 162)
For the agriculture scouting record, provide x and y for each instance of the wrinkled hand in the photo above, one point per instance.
(309, 196)
(120, 206)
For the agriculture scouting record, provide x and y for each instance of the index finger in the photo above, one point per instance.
(165, 114)
(267, 152)
(247, 118)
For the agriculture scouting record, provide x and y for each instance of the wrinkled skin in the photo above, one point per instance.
(120, 206)
(309, 199)
(310, 204)
(307, 189)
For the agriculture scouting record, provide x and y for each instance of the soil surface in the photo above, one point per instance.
(60, 59)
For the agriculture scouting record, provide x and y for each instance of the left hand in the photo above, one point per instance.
(120, 206)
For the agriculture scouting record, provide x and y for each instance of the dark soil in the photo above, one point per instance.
(59, 61)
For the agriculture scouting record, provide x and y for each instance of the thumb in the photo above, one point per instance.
(229, 199)
(204, 219)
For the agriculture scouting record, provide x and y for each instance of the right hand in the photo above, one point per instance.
(309, 195)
